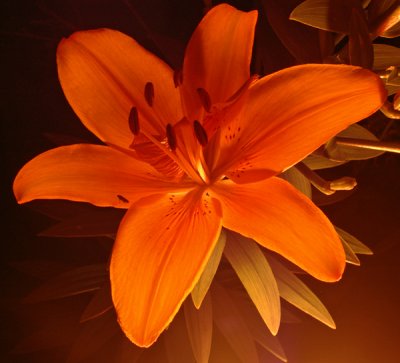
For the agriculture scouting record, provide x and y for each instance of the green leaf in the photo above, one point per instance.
(298, 180)
(256, 275)
(77, 281)
(199, 324)
(331, 15)
(385, 56)
(202, 286)
(100, 303)
(293, 290)
(357, 246)
(230, 322)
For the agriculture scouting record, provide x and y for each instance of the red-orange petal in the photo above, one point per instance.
(282, 219)
(89, 173)
(217, 58)
(104, 74)
(292, 112)
(161, 248)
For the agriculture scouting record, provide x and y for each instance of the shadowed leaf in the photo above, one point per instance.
(98, 222)
(199, 325)
(232, 325)
(360, 48)
(101, 303)
(301, 41)
(92, 336)
(177, 344)
(74, 282)
(256, 325)
(331, 15)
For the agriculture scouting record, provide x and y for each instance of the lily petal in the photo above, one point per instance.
(104, 74)
(217, 58)
(161, 249)
(89, 173)
(285, 221)
(292, 112)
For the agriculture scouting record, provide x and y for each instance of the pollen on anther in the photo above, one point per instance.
(200, 133)
(134, 121)
(171, 137)
(149, 93)
(204, 99)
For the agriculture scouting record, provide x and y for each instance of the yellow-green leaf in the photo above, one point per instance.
(293, 290)
(199, 324)
(202, 286)
(356, 245)
(351, 257)
(256, 275)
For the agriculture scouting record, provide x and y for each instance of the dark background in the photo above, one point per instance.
(36, 117)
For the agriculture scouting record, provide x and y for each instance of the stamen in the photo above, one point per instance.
(204, 99)
(178, 77)
(122, 198)
(149, 93)
(134, 121)
(171, 137)
(200, 133)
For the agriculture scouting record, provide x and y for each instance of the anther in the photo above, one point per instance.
(171, 137)
(134, 121)
(200, 133)
(204, 99)
(178, 77)
(122, 198)
(149, 93)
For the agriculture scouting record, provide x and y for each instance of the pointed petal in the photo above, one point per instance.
(292, 112)
(161, 249)
(282, 219)
(88, 173)
(104, 74)
(217, 58)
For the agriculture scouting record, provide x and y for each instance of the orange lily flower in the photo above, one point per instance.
(189, 153)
